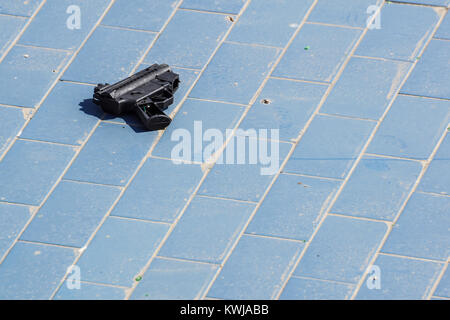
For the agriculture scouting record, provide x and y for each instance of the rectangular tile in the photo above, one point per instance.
(20, 8)
(401, 279)
(67, 115)
(33, 271)
(31, 169)
(256, 269)
(225, 6)
(317, 53)
(365, 88)
(65, 23)
(28, 73)
(437, 176)
(174, 280)
(395, 38)
(90, 291)
(13, 219)
(377, 188)
(120, 250)
(142, 14)
(329, 147)
(343, 12)
(71, 213)
(191, 46)
(207, 230)
(412, 128)
(143, 198)
(270, 23)
(187, 136)
(11, 27)
(247, 181)
(284, 105)
(310, 289)
(235, 73)
(112, 154)
(303, 201)
(341, 249)
(422, 229)
(13, 120)
(432, 73)
(443, 288)
(444, 29)
(109, 55)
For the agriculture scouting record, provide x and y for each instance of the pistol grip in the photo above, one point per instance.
(152, 117)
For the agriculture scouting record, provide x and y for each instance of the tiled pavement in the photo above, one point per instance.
(364, 186)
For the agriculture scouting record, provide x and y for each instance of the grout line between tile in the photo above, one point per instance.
(359, 218)
(410, 258)
(325, 280)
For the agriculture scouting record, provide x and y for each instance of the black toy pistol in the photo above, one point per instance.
(147, 93)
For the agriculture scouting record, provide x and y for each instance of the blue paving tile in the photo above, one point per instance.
(432, 73)
(341, 249)
(27, 74)
(397, 39)
(173, 279)
(437, 175)
(291, 105)
(225, 6)
(366, 88)
(67, 116)
(120, 250)
(422, 229)
(54, 21)
(317, 53)
(256, 269)
(10, 26)
(191, 123)
(443, 288)
(191, 46)
(142, 199)
(12, 121)
(329, 147)
(112, 154)
(21, 8)
(31, 169)
(343, 12)
(377, 188)
(270, 22)
(308, 289)
(412, 128)
(187, 78)
(109, 55)
(90, 291)
(33, 272)
(71, 214)
(401, 278)
(142, 14)
(235, 73)
(444, 29)
(12, 220)
(245, 181)
(304, 200)
(207, 230)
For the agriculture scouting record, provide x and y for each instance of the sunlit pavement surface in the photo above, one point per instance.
(93, 207)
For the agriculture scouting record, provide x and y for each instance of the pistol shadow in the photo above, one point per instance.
(89, 107)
